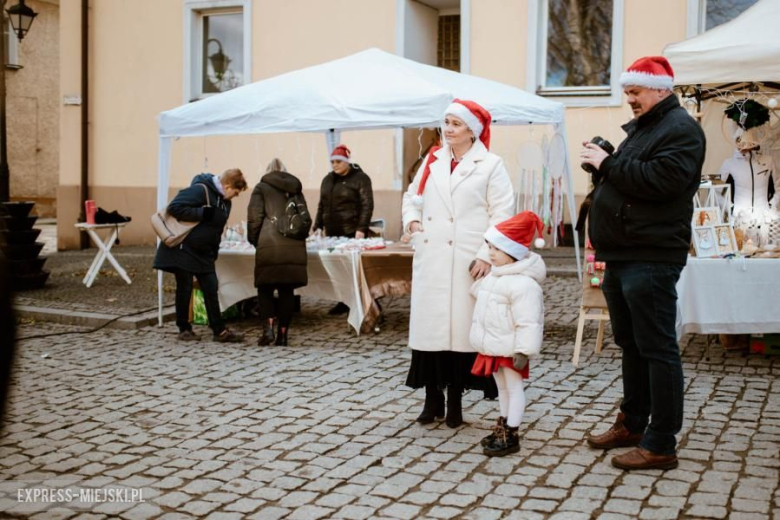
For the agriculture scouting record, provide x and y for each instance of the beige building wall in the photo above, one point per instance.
(499, 47)
(32, 112)
(133, 79)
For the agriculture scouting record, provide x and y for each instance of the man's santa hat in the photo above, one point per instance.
(341, 153)
(653, 72)
(515, 235)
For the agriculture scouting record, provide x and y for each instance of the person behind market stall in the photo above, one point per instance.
(197, 254)
(280, 261)
(346, 203)
(460, 191)
(640, 225)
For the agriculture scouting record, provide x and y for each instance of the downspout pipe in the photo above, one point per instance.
(84, 239)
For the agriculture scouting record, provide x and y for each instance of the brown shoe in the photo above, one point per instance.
(616, 437)
(188, 335)
(641, 458)
(228, 336)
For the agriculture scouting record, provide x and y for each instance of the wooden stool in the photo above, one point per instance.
(592, 307)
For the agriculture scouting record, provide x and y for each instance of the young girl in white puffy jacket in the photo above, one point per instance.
(508, 322)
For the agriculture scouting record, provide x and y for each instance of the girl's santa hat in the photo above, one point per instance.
(476, 118)
(341, 153)
(653, 72)
(514, 236)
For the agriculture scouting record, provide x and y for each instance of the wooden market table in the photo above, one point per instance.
(357, 278)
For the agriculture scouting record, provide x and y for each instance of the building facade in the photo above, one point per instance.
(147, 56)
(32, 108)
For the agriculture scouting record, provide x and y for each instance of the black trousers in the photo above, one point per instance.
(642, 302)
(265, 298)
(209, 285)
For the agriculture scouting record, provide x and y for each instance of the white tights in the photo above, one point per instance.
(511, 397)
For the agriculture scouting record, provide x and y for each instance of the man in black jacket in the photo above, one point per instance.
(640, 224)
(346, 203)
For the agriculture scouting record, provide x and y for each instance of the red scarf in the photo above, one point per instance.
(427, 170)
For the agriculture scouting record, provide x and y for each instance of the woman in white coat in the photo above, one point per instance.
(460, 191)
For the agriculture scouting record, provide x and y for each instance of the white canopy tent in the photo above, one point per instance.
(384, 91)
(736, 60)
(746, 49)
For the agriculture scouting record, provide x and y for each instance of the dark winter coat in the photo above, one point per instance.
(278, 259)
(346, 203)
(643, 200)
(198, 252)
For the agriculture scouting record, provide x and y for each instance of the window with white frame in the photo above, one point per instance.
(713, 13)
(579, 46)
(11, 46)
(217, 46)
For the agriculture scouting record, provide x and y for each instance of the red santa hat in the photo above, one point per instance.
(653, 72)
(341, 153)
(475, 116)
(515, 235)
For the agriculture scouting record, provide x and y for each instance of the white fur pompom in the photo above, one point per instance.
(417, 201)
(539, 243)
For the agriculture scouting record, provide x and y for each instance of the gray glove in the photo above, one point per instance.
(520, 361)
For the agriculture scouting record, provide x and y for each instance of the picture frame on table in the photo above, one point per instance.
(726, 243)
(704, 242)
(708, 216)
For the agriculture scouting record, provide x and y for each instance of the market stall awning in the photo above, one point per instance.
(368, 90)
(746, 49)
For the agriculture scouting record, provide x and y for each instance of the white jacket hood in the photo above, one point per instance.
(532, 266)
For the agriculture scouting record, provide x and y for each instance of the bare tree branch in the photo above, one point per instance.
(579, 42)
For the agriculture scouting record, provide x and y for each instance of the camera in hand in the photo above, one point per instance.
(604, 145)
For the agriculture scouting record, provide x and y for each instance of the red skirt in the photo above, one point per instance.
(486, 366)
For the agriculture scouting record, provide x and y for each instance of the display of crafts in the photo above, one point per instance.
(539, 182)
(595, 271)
(319, 243)
(712, 236)
(234, 239)
(752, 175)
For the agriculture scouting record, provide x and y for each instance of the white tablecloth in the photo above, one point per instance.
(332, 276)
(729, 296)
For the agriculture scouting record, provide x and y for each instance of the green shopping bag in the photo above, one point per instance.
(199, 315)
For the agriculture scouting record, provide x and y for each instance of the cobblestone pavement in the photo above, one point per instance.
(112, 295)
(109, 293)
(325, 428)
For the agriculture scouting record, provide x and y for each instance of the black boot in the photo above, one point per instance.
(281, 337)
(506, 442)
(500, 425)
(268, 333)
(434, 405)
(454, 409)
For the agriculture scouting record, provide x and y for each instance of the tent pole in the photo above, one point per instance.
(570, 198)
(159, 294)
(163, 183)
(332, 140)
